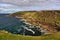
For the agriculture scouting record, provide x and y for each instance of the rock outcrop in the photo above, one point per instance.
(19, 26)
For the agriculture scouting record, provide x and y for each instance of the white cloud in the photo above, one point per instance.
(29, 5)
(8, 8)
(32, 2)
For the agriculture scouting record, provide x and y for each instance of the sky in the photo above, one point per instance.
(21, 5)
(32, 2)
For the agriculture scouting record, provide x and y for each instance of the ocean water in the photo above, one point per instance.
(17, 25)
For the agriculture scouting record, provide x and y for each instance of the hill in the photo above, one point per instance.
(4, 35)
(47, 19)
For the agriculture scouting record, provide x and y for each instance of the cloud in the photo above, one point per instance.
(35, 4)
(31, 2)
(8, 8)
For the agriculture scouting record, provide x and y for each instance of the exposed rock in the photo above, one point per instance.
(19, 26)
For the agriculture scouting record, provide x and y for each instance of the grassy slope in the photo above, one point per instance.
(8, 36)
(50, 16)
(47, 19)
(40, 16)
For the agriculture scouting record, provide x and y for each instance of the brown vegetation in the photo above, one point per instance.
(48, 19)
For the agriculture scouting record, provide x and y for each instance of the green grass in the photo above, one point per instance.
(8, 36)
(51, 37)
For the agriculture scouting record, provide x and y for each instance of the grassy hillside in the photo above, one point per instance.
(48, 19)
(50, 16)
(4, 35)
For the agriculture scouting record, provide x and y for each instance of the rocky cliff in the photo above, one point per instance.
(49, 20)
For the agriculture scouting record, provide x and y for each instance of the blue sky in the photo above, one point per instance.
(8, 6)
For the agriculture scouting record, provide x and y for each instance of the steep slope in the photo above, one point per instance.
(47, 19)
(18, 26)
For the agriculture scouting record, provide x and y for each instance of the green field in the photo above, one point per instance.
(4, 35)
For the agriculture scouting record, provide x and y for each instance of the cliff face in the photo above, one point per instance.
(18, 26)
(47, 19)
